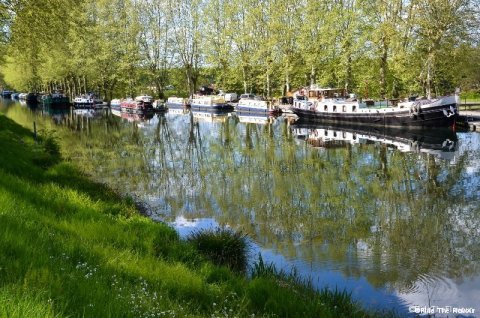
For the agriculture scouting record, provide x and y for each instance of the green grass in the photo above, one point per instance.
(70, 247)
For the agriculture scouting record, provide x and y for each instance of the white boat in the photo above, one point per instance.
(210, 102)
(115, 103)
(331, 105)
(177, 102)
(255, 105)
(87, 101)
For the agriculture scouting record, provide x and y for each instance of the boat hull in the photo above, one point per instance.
(434, 116)
(176, 105)
(256, 110)
(212, 107)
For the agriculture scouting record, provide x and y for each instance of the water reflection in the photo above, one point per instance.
(210, 116)
(442, 143)
(133, 116)
(252, 118)
(379, 214)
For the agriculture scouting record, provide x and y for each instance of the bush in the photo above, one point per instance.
(223, 247)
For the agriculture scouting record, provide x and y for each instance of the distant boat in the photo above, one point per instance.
(256, 105)
(22, 96)
(56, 100)
(6, 94)
(15, 95)
(331, 105)
(177, 102)
(210, 102)
(142, 103)
(115, 104)
(87, 101)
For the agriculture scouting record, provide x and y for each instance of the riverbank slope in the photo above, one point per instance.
(71, 247)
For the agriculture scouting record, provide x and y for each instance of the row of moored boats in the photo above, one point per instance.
(311, 103)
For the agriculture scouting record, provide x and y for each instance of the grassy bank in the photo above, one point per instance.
(71, 247)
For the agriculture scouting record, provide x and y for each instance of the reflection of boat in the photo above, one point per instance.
(138, 116)
(178, 110)
(254, 118)
(56, 113)
(441, 142)
(87, 112)
(210, 116)
(210, 102)
(330, 105)
(116, 112)
(145, 116)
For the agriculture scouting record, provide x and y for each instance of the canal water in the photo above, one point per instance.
(391, 216)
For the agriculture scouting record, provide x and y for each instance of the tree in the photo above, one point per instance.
(441, 26)
(185, 18)
(155, 42)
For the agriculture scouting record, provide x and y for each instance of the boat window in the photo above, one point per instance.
(344, 108)
(334, 108)
(354, 108)
(325, 108)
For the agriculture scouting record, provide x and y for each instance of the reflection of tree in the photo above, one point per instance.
(390, 216)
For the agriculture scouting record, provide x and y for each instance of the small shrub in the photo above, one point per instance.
(223, 247)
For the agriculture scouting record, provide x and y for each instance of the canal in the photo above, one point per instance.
(391, 216)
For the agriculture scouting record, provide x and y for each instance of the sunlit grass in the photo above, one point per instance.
(71, 247)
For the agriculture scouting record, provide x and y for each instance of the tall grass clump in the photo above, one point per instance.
(223, 246)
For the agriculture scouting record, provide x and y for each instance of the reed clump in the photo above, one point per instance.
(222, 246)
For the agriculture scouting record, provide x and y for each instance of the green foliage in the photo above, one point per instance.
(122, 48)
(222, 246)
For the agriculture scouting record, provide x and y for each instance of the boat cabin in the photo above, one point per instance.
(326, 93)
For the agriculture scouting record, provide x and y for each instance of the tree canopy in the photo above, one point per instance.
(117, 48)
